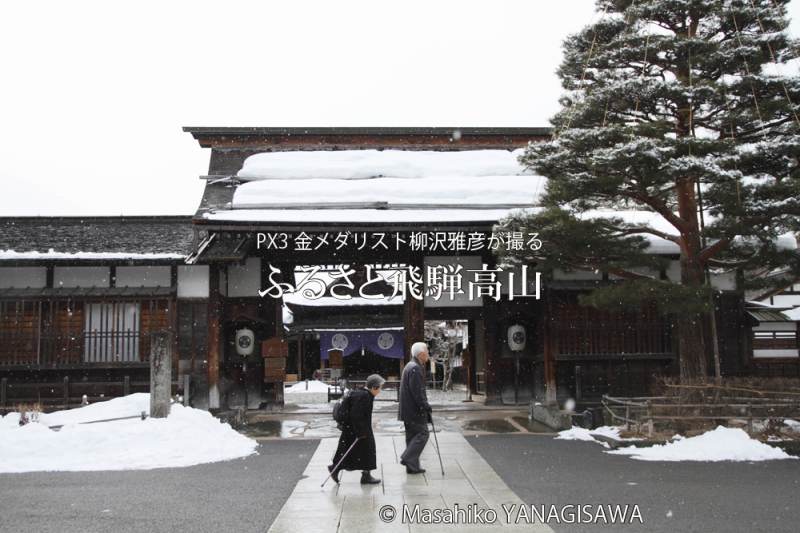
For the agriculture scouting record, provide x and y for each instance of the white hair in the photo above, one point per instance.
(417, 348)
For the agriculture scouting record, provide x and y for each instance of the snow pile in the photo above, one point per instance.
(314, 386)
(576, 433)
(363, 164)
(720, 444)
(187, 437)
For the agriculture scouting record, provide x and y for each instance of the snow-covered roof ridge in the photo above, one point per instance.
(53, 254)
(388, 193)
(365, 164)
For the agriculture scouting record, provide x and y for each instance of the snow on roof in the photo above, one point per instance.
(386, 186)
(653, 220)
(657, 245)
(52, 254)
(324, 301)
(359, 215)
(360, 164)
(433, 191)
(793, 314)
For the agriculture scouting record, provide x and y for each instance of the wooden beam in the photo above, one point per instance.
(214, 337)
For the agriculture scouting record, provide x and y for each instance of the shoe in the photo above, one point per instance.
(367, 479)
(334, 474)
(410, 470)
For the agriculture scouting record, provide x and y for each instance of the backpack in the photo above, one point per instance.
(341, 411)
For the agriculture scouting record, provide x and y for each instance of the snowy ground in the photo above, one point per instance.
(187, 437)
(313, 397)
(720, 444)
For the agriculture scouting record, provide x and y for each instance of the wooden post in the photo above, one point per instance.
(187, 384)
(550, 396)
(466, 365)
(66, 392)
(413, 323)
(214, 340)
(160, 374)
(3, 392)
(126, 385)
(490, 325)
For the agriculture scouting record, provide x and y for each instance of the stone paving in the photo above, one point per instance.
(468, 483)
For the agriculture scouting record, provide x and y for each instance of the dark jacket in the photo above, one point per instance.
(359, 424)
(414, 406)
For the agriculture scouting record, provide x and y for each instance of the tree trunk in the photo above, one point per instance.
(691, 337)
(691, 348)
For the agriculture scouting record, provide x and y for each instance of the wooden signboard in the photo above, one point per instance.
(335, 359)
(274, 351)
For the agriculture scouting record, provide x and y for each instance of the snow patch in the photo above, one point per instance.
(314, 386)
(187, 437)
(579, 433)
(720, 444)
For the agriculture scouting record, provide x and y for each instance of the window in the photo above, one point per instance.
(111, 332)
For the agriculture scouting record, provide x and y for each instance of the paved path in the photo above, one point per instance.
(351, 506)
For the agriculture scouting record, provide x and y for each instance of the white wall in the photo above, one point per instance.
(23, 277)
(786, 300)
(192, 281)
(81, 276)
(143, 276)
(245, 280)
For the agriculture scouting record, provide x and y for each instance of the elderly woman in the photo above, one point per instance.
(358, 426)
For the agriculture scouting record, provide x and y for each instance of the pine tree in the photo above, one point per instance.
(685, 109)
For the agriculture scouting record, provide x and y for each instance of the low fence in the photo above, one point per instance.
(67, 393)
(703, 406)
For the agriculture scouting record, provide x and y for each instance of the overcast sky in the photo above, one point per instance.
(94, 95)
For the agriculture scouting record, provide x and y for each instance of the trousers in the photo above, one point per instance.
(416, 439)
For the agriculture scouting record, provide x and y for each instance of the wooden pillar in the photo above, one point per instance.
(301, 353)
(469, 359)
(550, 397)
(214, 337)
(490, 325)
(413, 323)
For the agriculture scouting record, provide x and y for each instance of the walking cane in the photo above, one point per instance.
(437, 446)
(335, 468)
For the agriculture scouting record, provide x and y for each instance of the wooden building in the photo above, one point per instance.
(79, 299)
(200, 276)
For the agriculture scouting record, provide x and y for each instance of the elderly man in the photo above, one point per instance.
(414, 410)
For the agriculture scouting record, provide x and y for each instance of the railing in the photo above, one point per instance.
(648, 414)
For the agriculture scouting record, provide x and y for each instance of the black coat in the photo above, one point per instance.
(414, 404)
(362, 456)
